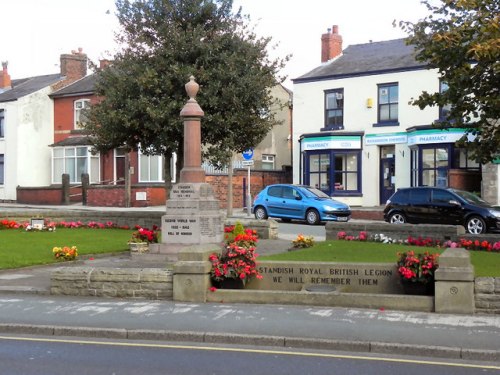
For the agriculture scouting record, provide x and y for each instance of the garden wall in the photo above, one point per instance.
(487, 295)
(151, 283)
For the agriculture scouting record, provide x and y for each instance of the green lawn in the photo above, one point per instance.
(19, 248)
(485, 263)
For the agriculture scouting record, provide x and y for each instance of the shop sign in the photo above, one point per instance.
(335, 142)
(385, 139)
(420, 137)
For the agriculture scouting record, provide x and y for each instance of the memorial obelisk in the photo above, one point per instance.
(193, 215)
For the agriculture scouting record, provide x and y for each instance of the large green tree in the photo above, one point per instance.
(461, 39)
(164, 43)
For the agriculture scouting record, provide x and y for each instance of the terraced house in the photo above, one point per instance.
(357, 138)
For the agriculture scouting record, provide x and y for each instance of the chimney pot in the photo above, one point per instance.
(331, 44)
(5, 81)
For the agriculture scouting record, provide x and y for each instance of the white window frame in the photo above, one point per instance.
(268, 160)
(69, 163)
(78, 106)
(149, 160)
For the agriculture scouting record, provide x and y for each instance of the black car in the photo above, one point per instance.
(432, 205)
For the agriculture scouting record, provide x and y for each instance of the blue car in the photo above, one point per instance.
(299, 202)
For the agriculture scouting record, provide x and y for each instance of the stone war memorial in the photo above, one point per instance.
(192, 211)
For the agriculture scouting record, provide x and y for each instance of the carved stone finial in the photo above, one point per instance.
(192, 88)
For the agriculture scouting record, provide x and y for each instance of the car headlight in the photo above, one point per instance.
(495, 213)
(330, 209)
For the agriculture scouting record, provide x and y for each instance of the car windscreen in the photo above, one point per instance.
(470, 197)
(313, 193)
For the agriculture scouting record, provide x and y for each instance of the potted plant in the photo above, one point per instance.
(235, 264)
(417, 271)
(142, 237)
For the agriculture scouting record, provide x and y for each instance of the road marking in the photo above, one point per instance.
(257, 351)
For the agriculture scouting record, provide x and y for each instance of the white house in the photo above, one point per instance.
(355, 135)
(27, 125)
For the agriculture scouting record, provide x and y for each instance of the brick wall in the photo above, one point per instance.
(258, 180)
(41, 195)
(114, 196)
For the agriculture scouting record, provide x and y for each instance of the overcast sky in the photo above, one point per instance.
(35, 33)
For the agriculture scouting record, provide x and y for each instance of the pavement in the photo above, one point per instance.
(26, 307)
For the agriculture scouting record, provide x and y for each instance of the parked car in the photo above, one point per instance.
(432, 205)
(287, 202)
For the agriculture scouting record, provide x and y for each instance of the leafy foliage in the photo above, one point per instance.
(461, 39)
(165, 42)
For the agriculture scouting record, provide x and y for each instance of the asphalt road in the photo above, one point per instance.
(29, 355)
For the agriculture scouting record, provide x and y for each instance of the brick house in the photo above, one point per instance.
(26, 124)
(71, 154)
(357, 138)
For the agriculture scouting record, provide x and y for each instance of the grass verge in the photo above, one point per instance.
(19, 248)
(485, 264)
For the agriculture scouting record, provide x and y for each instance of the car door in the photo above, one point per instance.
(419, 209)
(274, 201)
(445, 208)
(292, 205)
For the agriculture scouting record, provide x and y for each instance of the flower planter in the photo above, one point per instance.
(139, 247)
(229, 283)
(418, 288)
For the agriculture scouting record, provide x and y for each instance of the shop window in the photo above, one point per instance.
(268, 162)
(346, 172)
(388, 104)
(319, 171)
(74, 161)
(334, 109)
(435, 163)
(80, 116)
(461, 160)
(414, 167)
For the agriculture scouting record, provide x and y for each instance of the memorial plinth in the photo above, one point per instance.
(192, 214)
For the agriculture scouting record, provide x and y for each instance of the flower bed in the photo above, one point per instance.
(425, 242)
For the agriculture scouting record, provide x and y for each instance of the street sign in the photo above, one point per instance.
(248, 154)
(247, 163)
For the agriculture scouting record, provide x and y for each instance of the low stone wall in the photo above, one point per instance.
(396, 231)
(487, 295)
(266, 229)
(150, 283)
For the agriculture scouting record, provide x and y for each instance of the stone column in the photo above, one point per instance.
(193, 214)
(192, 114)
(454, 286)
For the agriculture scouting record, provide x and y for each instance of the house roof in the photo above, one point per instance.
(84, 85)
(367, 59)
(26, 86)
(77, 140)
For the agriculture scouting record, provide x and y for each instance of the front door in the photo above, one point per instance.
(387, 182)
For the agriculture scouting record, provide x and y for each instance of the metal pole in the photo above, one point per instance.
(249, 196)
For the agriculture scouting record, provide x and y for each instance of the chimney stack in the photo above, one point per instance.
(74, 65)
(331, 44)
(5, 82)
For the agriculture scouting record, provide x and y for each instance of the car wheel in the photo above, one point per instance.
(475, 225)
(312, 217)
(260, 213)
(397, 218)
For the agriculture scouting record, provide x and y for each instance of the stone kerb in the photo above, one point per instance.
(454, 286)
(396, 231)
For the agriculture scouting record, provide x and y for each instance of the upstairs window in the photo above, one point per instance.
(444, 110)
(388, 104)
(334, 109)
(268, 162)
(80, 115)
(2, 130)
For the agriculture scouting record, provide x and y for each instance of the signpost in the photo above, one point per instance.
(248, 155)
